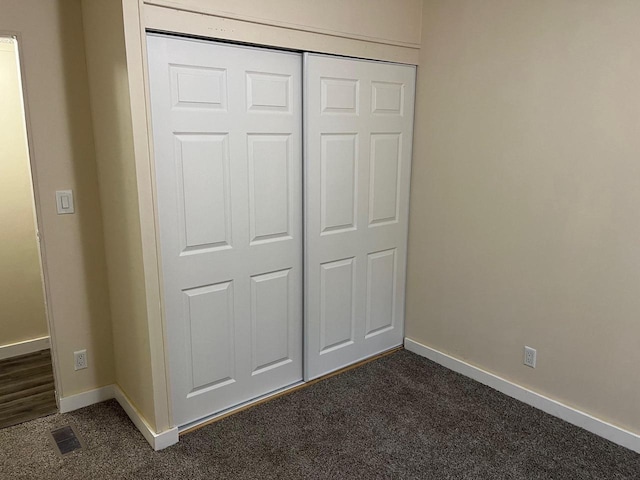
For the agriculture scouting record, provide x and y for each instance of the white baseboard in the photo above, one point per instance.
(158, 441)
(22, 348)
(84, 399)
(576, 417)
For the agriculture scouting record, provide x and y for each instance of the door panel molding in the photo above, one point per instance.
(228, 159)
(358, 134)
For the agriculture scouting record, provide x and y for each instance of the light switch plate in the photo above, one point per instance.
(64, 202)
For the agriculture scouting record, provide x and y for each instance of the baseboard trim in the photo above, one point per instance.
(84, 399)
(569, 414)
(158, 441)
(22, 348)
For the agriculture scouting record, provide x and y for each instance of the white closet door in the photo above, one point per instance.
(227, 147)
(358, 134)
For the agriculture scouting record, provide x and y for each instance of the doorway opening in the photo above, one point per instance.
(27, 387)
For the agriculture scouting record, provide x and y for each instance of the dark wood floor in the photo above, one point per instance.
(27, 390)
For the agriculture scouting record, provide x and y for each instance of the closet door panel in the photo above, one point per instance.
(358, 134)
(227, 145)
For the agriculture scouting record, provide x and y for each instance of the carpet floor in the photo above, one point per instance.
(399, 417)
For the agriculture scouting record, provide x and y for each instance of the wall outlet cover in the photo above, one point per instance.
(80, 360)
(530, 357)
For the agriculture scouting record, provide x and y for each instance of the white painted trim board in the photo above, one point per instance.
(22, 348)
(569, 414)
(158, 441)
(84, 399)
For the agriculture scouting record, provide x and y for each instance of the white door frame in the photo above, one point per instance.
(140, 17)
(136, 28)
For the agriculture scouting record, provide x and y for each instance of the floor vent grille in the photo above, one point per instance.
(66, 440)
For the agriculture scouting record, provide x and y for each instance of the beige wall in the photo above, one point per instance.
(21, 297)
(110, 106)
(52, 53)
(525, 195)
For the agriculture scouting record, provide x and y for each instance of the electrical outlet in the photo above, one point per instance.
(530, 357)
(80, 358)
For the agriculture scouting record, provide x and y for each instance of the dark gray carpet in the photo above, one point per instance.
(399, 417)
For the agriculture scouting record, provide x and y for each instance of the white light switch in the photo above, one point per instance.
(64, 202)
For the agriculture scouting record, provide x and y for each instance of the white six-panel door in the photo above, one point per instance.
(227, 147)
(358, 134)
